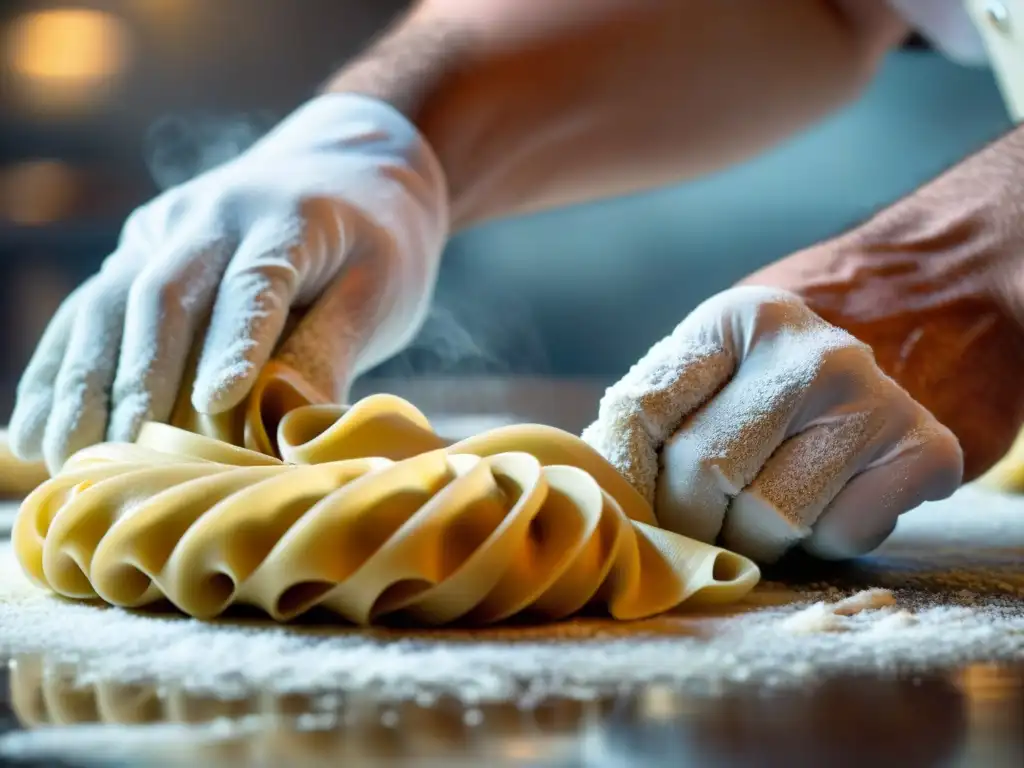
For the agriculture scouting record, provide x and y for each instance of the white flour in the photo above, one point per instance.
(638, 413)
(831, 617)
(955, 570)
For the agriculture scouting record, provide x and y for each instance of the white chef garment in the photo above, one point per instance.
(976, 32)
(947, 25)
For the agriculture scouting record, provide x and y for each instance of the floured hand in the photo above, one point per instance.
(758, 424)
(343, 202)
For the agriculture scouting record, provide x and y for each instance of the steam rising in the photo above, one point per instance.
(179, 147)
(471, 327)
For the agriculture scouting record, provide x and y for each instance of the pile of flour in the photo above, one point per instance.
(948, 588)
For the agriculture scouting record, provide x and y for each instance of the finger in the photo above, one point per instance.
(639, 413)
(927, 466)
(35, 389)
(328, 343)
(82, 387)
(165, 305)
(720, 449)
(249, 315)
(678, 375)
(782, 503)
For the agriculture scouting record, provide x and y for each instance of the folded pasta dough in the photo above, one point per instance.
(293, 503)
(274, 394)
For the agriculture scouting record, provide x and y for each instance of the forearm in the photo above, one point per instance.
(934, 285)
(531, 104)
(960, 235)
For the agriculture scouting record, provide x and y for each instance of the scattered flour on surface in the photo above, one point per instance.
(819, 617)
(833, 617)
(946, 590)
(865, 600)
(894, 622)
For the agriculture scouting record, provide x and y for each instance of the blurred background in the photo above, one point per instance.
(104, 103)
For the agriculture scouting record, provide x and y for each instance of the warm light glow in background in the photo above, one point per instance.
(37, 192)
(67, 58)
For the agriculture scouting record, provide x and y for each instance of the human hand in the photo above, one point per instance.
(343, 200)
(761, 426)
(933, 289)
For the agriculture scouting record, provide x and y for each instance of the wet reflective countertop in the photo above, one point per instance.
(968, 717)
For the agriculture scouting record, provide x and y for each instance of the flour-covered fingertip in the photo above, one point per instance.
(219, 390)
(837, 542)
(756, 528)
(28, 424)
(864, 513)
(942, 463)
(71, 427)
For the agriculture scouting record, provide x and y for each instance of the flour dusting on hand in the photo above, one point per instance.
(639, 413)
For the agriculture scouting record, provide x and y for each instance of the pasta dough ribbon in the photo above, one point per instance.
(292, 504)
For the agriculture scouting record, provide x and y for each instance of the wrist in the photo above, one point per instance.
(499, 109)
(932, 285)
(418, 68)
(960, 236)
(389, 200)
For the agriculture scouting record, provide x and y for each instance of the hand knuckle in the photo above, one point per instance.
(948, 452)
(773, 304)
(846, 357)
(135, 223)
(176, 207)
(155, 288)
(939, 441)
(104, 298)
(78, 377)
(758, 308)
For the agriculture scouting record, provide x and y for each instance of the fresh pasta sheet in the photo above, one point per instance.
(290, 503)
